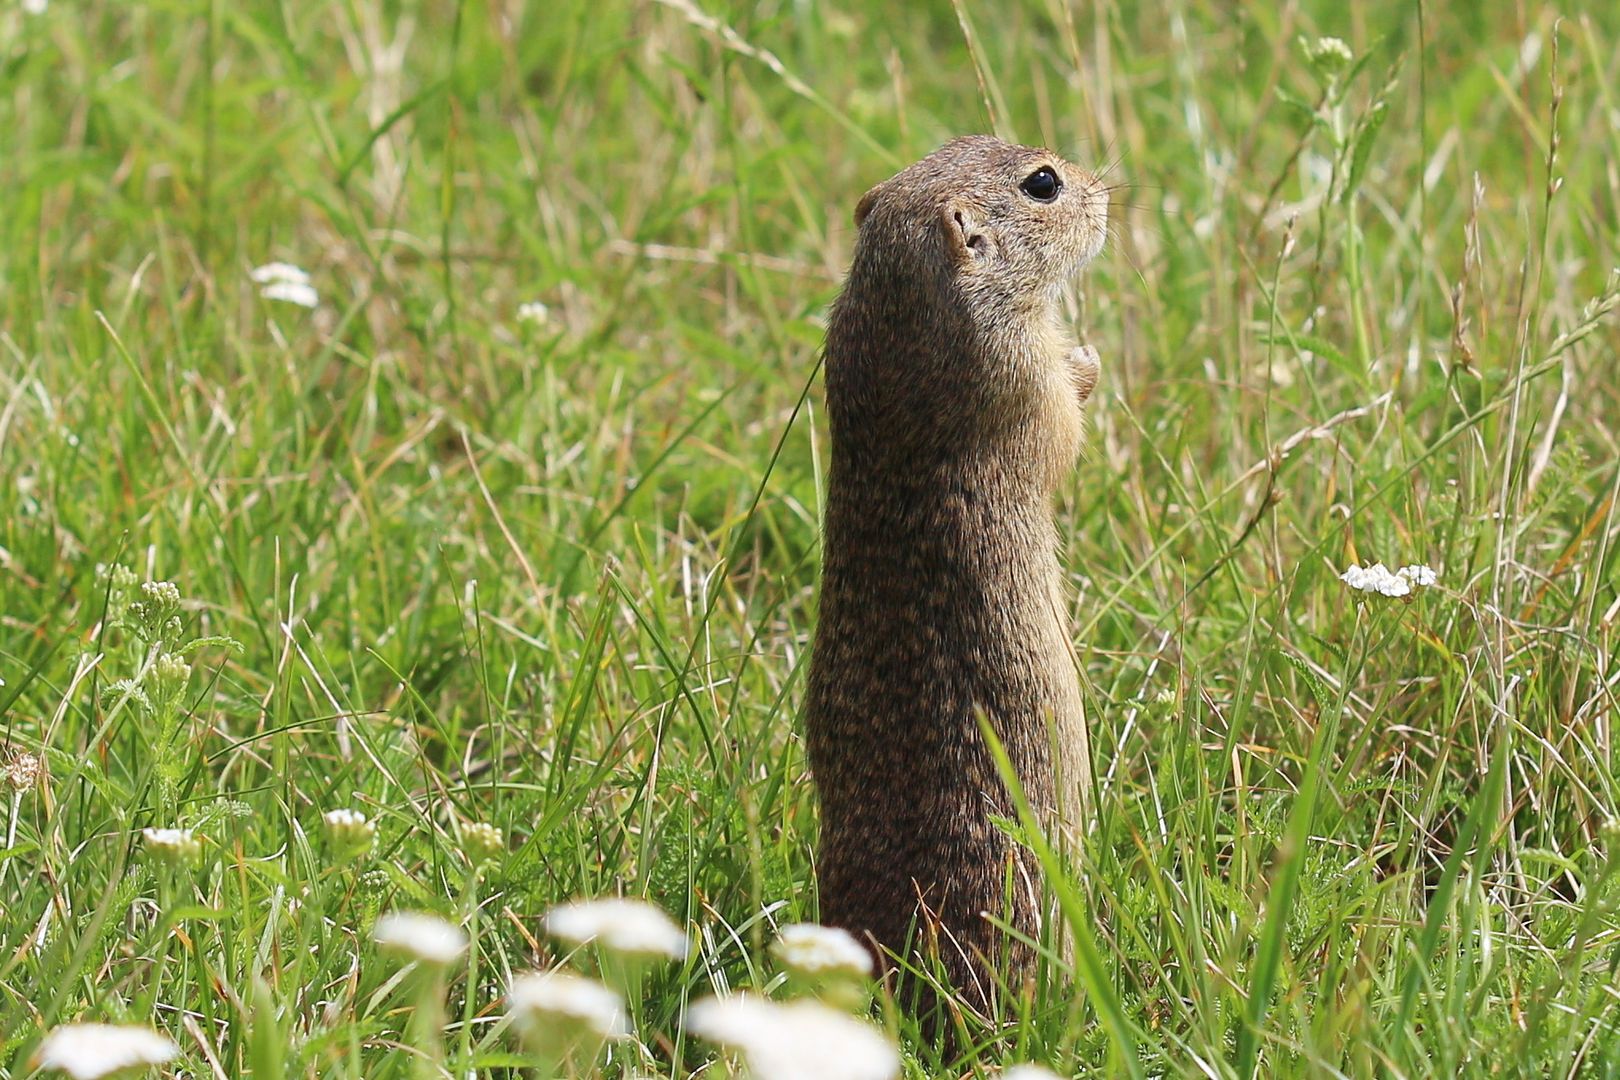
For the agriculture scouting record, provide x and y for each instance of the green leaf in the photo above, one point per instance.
(266, 1038)
(210, 643)
(1319, 689)
(1284, 886)
(1302, 343)
(1469, 838)
(1089, 968)
(1361, 148)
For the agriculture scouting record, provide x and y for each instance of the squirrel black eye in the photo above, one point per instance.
(1042, 185)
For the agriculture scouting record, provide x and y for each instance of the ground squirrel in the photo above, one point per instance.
(954, 395)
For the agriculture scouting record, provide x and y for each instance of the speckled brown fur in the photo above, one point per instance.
(955, 394)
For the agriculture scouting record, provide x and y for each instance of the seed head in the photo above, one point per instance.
(21, 772)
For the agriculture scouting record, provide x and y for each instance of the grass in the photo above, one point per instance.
(558, 577)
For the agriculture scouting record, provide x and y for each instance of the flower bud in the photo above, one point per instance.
(349, 833)
(1329, 55)
(172, 847)
(167, 679)
(481, 841)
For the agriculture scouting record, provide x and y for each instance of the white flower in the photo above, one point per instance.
(344, 818)
(1332, 46)
(285, 282)
(1331, 54)
(291, 292)
(172, 845)
(802, 1040)
(632, 927)
(1028, 1072)
(1418, 574)
(89, 1051)
(35, 7)
(811, 950)
(557, 1000)
(1378, 578)
(534, 312)
(279, 271)
(481, 840)
(351, 834)
(421, 937)
(162, 593)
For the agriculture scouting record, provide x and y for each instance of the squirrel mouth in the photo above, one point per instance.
(1096, 238)
(1090, 247)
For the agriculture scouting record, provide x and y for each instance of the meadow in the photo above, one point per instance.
(506, 517)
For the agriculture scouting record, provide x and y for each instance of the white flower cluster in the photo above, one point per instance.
(91, 1051)
(344, 818)
(1330, 52)
(565, 1014)
(1419, 575)
(350, 833)
(800, 1040)
(817, 951)
(427, 938)
(534, 312)
(481, 840)
(285, 282)
(568, 1018)
(173, 846)
(558, 1001)
(628, 927)
(1380, 579)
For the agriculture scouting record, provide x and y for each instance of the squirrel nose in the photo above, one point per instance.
(1083, 180)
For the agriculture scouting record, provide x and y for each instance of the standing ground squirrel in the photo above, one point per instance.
(955, 395)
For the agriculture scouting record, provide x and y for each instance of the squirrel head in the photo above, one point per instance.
(947, 334)
(1006, 224)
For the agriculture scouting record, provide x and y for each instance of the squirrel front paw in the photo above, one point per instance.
(1086, 367)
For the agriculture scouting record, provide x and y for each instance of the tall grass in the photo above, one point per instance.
(556, 574)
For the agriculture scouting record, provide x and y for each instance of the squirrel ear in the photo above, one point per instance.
(965, 234)
(868, 201)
